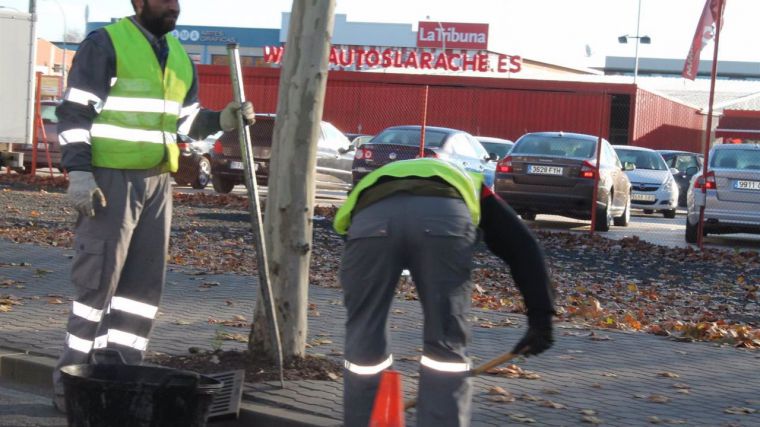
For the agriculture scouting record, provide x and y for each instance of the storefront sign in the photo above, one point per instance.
(359, 58)
(203, 36)
(452, 35)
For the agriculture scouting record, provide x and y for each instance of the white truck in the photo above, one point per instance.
(17, 62)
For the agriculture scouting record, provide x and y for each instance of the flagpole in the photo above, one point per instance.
(713, 75)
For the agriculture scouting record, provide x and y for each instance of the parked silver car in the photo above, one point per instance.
(732, 192)
(653, 187)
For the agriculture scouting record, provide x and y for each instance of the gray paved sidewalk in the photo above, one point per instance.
(616, 375)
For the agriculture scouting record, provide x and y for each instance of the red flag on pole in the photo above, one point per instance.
(705, 32)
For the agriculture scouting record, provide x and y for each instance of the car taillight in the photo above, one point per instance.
(363, 153)
(707, 181)
(587, 170)
(218, 147)
(505, 165)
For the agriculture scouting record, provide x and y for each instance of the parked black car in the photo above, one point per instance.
(194, 161)
(403, 142)
(683, 160)
(554, 173)
(334, 155)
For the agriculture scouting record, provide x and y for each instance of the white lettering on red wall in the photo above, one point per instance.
(360, 58)
(452, 35)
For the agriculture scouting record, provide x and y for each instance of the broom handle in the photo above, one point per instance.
(496, 361)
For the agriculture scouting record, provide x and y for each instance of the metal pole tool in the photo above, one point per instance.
(254, 204)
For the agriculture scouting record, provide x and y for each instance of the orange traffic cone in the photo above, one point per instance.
(389, 404)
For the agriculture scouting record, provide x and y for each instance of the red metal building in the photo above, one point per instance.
(367, 102)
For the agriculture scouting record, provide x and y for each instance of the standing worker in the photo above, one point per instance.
(131, 89)
(422, 215)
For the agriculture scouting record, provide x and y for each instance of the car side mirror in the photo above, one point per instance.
(691, 170)
(628, 166)
(492, 157)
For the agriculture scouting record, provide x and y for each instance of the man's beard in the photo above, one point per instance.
(158, 24)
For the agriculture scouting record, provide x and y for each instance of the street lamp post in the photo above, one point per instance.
(639, 39)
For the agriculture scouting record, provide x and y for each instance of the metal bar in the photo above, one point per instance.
(254, 205)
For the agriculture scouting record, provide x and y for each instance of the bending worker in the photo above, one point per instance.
(131, 89)
(422, 215)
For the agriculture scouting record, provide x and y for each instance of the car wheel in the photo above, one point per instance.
(203, 174)
(669, 213)
(179, 181)
(691, 232)
(603, 216)
(648, 211)
(222, 185)
(623, 220)
(528, 216)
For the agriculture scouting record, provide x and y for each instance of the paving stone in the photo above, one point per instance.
(718, 377)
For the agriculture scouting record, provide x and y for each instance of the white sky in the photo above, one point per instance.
(554, 30)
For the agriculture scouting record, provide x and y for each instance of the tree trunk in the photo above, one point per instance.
(290, 196)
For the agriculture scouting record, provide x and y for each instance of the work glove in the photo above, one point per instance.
(82, 189)
(228, 117)
(536, 340)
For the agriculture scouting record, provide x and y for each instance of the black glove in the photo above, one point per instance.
(536, 340)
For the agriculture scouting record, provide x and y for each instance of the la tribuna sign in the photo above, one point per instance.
(361, 58)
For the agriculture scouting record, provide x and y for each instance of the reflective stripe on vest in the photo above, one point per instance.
(369, 370)
(138, 124)
(468, 185)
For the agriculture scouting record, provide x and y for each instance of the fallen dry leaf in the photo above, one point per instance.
(553, 405)
(668, 375)
(590, 419)
(658, 398)
(521, 418)
(497, 390)
(501, 399)
(736, 410)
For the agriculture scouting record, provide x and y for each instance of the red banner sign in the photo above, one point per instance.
(452, 35)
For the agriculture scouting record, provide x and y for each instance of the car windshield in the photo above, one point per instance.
(47, 112)
(500, 150)
(553, 146)
(642, 159)
(736, 159)
(410, 137)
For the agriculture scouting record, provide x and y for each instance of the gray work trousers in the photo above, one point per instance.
(433, 237)
(119, 267)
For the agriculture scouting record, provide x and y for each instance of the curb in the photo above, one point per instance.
(23, 368)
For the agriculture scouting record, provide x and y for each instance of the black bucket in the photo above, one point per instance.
(110, 393)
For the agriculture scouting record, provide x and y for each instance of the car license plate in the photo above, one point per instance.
(643, 197)
(545, 170)
(236, 165)
(747, 185)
